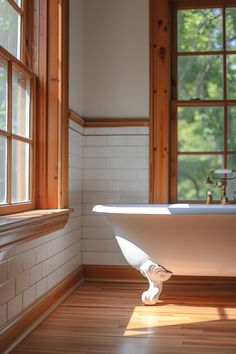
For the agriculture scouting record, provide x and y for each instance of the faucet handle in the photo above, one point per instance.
(209, 194)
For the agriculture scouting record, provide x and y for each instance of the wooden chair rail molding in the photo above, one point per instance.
(18, 330)
(108, 122)
(16, 228)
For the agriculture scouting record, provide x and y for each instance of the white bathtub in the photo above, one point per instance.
(181, 239)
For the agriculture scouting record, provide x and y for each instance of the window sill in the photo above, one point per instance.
(15, 228)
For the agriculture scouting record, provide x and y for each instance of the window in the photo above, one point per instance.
(193, 97)
(17, 118)
(203, 101)
(34, 147)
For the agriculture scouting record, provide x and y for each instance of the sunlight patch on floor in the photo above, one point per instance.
(144, 321)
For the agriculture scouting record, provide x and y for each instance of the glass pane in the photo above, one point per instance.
(191, 172)
(3, 169)
(231, 185)
(18, 2)
(200, 77)
(200, 30)
(20, 171)
(3, 95)
(231, 76)
(231, 28)
(20, 105)
(200, 129)
(231, 128)
(10, 28)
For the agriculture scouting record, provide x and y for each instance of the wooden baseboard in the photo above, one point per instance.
(127, 273)
(120, 273)
(36, 313)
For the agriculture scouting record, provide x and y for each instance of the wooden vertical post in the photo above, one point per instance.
(159, 101)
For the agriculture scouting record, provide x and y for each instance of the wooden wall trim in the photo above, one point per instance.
(116, 122)
(108, 122)
(112, 273)
(76, 118)
(127, 273)
(10, 335)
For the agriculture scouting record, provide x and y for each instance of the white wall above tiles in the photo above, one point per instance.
(109, 58)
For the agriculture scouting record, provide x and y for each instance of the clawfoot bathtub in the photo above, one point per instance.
(181, 239)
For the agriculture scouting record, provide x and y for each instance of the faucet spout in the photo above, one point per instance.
(220, 182)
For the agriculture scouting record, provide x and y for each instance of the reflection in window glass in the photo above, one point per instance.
(192, 169)
(200, 77)
(3, 95)
(231, 28)
(3, 169)
(20, 171)
(231, 76)
(200, 129)
(10, 28)
(200, 30)
(20, 105)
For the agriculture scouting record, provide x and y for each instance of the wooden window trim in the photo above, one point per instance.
(159, 101)
(52, 152)
(52, 134)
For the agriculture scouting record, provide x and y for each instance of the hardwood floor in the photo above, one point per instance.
(109, 318)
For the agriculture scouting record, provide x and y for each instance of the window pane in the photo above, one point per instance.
(231, 28)
(231, 185)
(20, 171)
(18, 2)
(200, 77)
(200, 30)
(191, 172)
(231, 76)
(20, 105)
(10, 27)
(3, 95)
(231, 127)
(3, 169)
(200, 129)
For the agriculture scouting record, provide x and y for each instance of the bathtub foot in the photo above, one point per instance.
(155, 275)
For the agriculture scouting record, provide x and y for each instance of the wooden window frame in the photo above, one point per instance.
(51, 170)
(163, 125)
(12, 62)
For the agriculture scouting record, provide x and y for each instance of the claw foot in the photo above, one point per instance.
(155, 275)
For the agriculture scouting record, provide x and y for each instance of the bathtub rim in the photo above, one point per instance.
(166, 209)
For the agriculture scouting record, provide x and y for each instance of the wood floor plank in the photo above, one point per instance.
(109, 318)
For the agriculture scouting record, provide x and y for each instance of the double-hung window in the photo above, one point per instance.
(193, 96)
(17, 112)
(203, 94)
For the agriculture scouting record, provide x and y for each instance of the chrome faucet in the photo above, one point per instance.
(219, 182)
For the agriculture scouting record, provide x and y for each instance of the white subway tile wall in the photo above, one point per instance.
(115, 170)
(106, 165)
(30, 269)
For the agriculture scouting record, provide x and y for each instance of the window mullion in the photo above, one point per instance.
(16, 7)
(9, 129)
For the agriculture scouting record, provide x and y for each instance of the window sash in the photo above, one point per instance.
(17, 66)
(224, 102)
